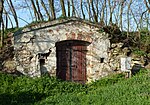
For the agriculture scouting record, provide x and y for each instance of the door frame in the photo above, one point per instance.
(68, 44)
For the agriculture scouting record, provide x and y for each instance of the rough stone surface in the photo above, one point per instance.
(9, 66)
(147, 66)
(31, 42)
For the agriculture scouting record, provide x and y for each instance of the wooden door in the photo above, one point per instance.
(71, 60)
(79, 64)
(62, 54)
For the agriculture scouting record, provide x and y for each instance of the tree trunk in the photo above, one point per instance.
(81, 5)
(47, 13)
(110, 18)
(111, 9)
(102, 13)
(1, 13)
(121, 11)
(1, 10)
(128, 18)
(12, 9)
(94, 12)
(2, 33)
(6, 19)
(89, 10)
(73, 9)
(51, 5)
(97, 9)
(68, 3)
(37, 17)
(134, 17)
(39, 11)
(106, 14)
(29, 10)
(9, 18)
(63, 8)
(146, 4)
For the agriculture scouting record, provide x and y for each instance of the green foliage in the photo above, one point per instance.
(101, 30)
(62, 17)
(145, 36)
(144, 42)
(10, 30)
(144, 30)
(112, 90)
(6, 33)
(108, 80)
(34, 23)
(139, 52)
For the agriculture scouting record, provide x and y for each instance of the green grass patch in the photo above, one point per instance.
(112, 90)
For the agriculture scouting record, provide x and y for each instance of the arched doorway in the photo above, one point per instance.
(71, 60)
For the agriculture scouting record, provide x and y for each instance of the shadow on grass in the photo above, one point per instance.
(24, 98)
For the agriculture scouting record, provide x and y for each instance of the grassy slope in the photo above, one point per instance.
(113, 90)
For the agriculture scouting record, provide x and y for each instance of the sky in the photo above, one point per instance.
(23, 15)
(25, 18)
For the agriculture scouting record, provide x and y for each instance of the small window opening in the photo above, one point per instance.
(43, 68)
(101, 60)
(42, 61)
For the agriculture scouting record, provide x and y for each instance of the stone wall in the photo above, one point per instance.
(118, 51)
(33, 41)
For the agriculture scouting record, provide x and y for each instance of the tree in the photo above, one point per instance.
(68, 3)
(103, 12)
(63, 8)
(128, 18)
(94, 12)
(52, 8)
(73, 8)
(37, 17)
(121, 11)
(111, 9)
(1, 20)
(6, 18)
(82, 11)
(39, 11)
(12, 9)
(1, 10)
(47, 13)
(89, 10)
(28, 7)
(147, 5)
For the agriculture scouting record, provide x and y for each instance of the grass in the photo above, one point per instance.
(112, 90)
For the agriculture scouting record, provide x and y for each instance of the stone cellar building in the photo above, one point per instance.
(71, 49)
